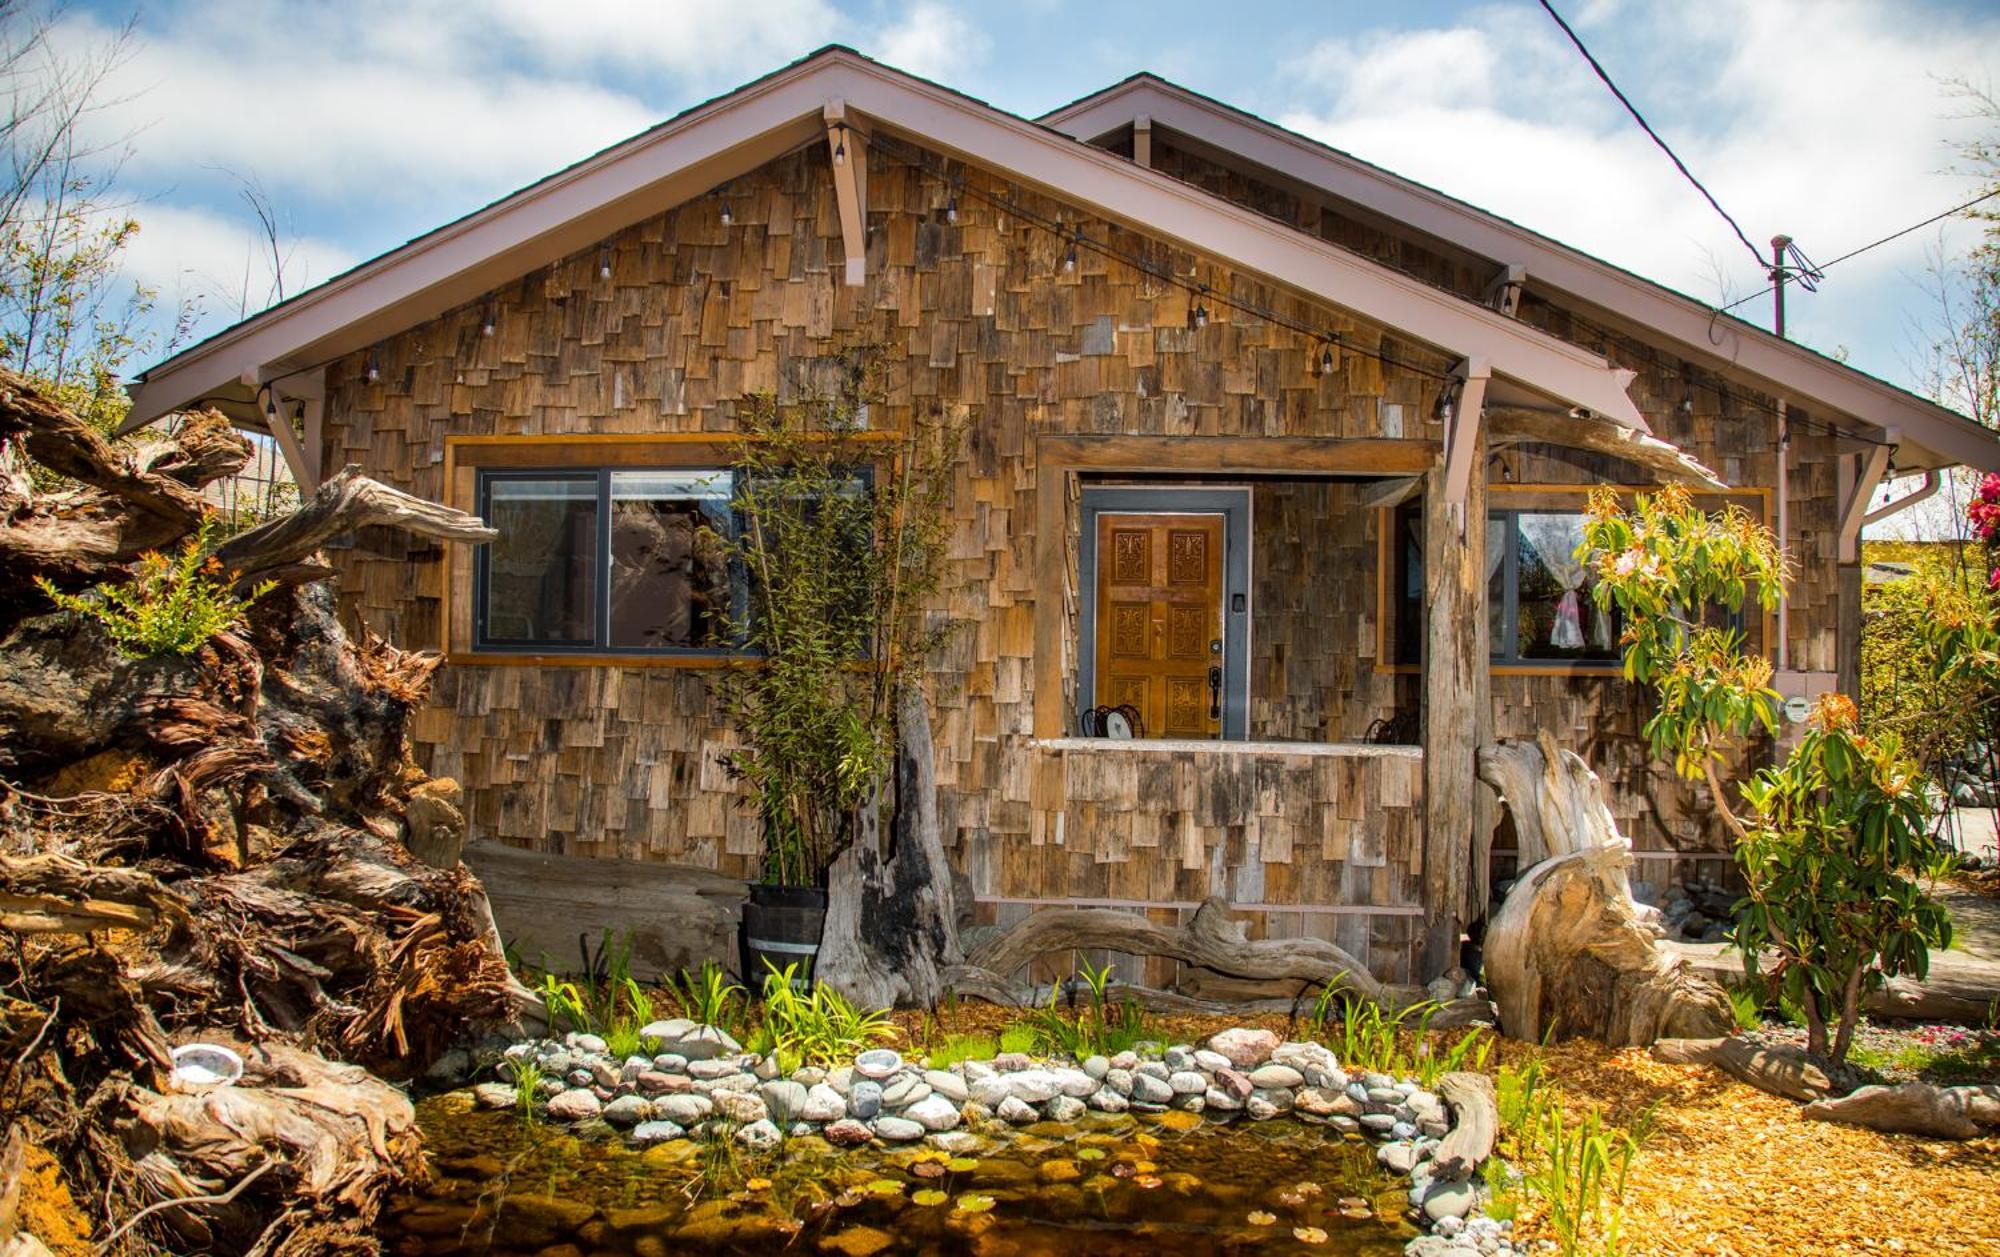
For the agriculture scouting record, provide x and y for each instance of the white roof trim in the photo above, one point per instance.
(1780, 366)
(692, 153)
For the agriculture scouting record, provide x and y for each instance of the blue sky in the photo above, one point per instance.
(367, 122)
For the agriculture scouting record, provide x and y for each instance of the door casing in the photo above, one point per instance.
(1233, 504)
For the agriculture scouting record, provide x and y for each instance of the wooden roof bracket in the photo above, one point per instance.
(1854, 508)
(847, 143)
(1142, 139)
(1462, 432)
(310, 393)
(1503, 293)
(1933, 479)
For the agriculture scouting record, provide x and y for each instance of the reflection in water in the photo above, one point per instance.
(1107, 1187)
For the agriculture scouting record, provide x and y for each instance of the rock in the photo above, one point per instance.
(588, 1043)
(904, 1090)
(1378, 1123)
(784, 1098)
(864, 1100)
(646, 1134)
(532, 1220)
(1035, 1086)
(760, 1135)
(1119, 1080)
(1208, 1062)
(741, 1106)
(450, 1068)
(766, 1068)
(1061, 1170)
(1154, 1069)
(1097, 1067)
(687, 1109)
(653, 1082)
(1264, 1105)
(900, 1130)
(1106, 1100)
(959, 1143)
(1276, 1077)
(933, 1113)
(1234, 1081)
(1179, 1058)
(1012, 1062)
(1222, 1101)
(1450, 1200)
(1126, 1060)
(1187, 1082)
(878, 1063)
(1017, 1111)
(973, 1071)
(699, 1043)
(668, 1031)
(1064, 1108)
(989, 1091)
(712, 1068)
(494, 1095)
(948, 1085)
(1398, 1157)
(856, 1241)
(628, 1111)
(847, 1133)
(1147, 1089)
(822, 1104)
(1179, 1121)
(1246, 1048)
(575, 1106)
(1074, 1082)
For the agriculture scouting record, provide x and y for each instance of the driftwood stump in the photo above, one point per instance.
(891, 923)
(1570, 951)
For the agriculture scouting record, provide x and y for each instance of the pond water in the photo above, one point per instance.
(1106, 1187)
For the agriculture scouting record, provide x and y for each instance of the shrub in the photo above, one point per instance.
(1835, 834)
(1100, 1027)
(171, 606)
(708, 996)
(1017, 1038)
(819, 1027)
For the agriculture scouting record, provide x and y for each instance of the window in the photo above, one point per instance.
(1541, 602)
(623, 561)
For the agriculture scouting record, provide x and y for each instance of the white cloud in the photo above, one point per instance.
(1823, 119)
(702, 40)
(932, 42)
(222, 263)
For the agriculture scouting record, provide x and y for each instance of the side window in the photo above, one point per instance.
(539, 585)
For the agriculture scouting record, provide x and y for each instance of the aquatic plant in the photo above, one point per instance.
(1018, 1037)
(961, 1047)
(708, 996)
(527, 1087)
(1101, 1026)
(1468, 1051)
(1369, 1039)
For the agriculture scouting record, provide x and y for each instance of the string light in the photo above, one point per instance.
(1326, 360)
(1069, 259)
(487, 328)
(951, 210)
(726, 217)
(374, 367)
(840, 143)
(604, 264)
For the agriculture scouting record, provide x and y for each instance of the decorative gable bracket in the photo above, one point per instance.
(847, 143)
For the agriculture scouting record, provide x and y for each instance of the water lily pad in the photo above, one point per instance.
(885, 1187)
(930, 1196)
(1308, 1235)
(1147, 1181)
(1146, 1141)
(1293, 1199)
(928, 1169)
(1357, 1214)
(972, 1202)
(1260, 1217)
(849, 1198)
(1090, 1154)
(1307, 1188)
(1353, 1202)
(758, 1184)
(962, 1165)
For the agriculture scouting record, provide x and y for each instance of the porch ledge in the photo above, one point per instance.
(1171, 746)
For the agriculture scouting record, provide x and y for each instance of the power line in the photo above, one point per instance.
(1873, 244)
(1647, 127)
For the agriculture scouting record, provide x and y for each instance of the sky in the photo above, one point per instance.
(367, 122)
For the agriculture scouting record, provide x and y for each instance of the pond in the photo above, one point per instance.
(1104, 1186)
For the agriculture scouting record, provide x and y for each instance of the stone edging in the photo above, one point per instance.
(701, 1074)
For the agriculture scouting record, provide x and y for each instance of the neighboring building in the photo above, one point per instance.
(1232, 392)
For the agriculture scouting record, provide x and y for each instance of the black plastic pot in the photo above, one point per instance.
(781, 925)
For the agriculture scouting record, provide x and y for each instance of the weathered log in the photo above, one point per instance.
(1212, 939)
(1570, 951)
(1782, 1072)
(344, 503)
(1957, 987)
(891, 924)
(1475, 1125)
(52, 893)
(1914, 1108)
(1512, 425)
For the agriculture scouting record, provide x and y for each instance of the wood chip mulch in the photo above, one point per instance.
(1734, 1172)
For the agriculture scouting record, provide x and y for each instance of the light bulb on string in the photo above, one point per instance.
(951, 210)
(727, 218)
(604, 264)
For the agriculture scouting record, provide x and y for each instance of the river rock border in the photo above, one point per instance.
(699, 1075)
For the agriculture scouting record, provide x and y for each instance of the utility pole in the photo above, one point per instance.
(1778, 246)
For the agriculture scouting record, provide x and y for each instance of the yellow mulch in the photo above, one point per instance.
(1734, 1172)
(46, 1209)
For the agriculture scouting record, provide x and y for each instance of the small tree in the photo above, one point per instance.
(1833, 833)
(843, 555)
(1836, 830)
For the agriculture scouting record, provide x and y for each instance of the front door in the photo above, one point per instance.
(1159, 621)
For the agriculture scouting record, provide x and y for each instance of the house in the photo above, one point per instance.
(1276, 450)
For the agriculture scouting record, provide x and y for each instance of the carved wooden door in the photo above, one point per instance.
(1159, 621)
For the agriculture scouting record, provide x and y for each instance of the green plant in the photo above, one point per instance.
(1520, 1098)
(844, 561)
(1469, 1051)
(1574, 1166)
(1370, 1040)
(1836, 833)
(1101, 1026)
(961, 1047)
(171, 606)
(527, 1088)
(567, 1008)
(708, 996)
(1017, 1038)
(1746, 1005)
(816, 1027)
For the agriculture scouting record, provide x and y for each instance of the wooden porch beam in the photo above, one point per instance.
(1504, 292)
(1262, 455)
(846, 143)
(1468, 415)
(1854, 510)
(280, 425)
(1142, 139)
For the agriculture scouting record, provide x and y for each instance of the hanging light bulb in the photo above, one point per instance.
(727, 218)
(1326, 360)
(1687, 400)
(1200, 316)
(374, 367)
(486, 329)
(604, 264)
(951, 210)
(1069, 259)
(840, 145)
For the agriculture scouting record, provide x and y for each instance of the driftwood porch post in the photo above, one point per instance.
(1456, 686)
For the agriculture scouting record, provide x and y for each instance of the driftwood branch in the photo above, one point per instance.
(1507, 425)
(1475, 1125)
(1915, 1108)
(348, 501)
(1781, 1072)
(1212, 940)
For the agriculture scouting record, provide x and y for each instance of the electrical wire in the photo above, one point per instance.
(1647, 127)
(1820, 271)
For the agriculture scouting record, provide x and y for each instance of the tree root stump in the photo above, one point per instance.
(1570, 952)
(1780, 1071)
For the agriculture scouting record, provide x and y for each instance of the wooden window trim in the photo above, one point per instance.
(466, 456)
(1529, 497)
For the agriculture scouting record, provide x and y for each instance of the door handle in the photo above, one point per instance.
(1215, 693)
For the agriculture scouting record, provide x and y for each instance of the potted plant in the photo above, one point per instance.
(838, 541)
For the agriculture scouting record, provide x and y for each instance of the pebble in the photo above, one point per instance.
(1380, 1123)
(878, 1063)
(1017, 1111)
(1398, 1157)
(1179, 1058)
(989, 1091)
(1074, 1082)
(711, 1069)
(574, 1106)
(1187, 1082)
(1065, 1108)
(1012, 1062)
(1035, 1086)
(1210, 1062)
(864, 1100)
(1276, 1077)
(494, 1095)
(759, 1136)
(586, 1043)
(1106, 1100)
(933, 1113)
(1119, 1080)
(1264, 1105)
(948, 1085)
(784, 1098)
(847, 1133)
(670, 1063)
(646, 1134)
(1225, 1101)
(1097, 1067)
(1450, 1200)
(1246, 1048)
(903, 1091)
(1127, 1060)
(628, 1111)
(898, 1129)
(686, 1109)
(1147, 1089)
(741, 1106)
(822, 1104)
(974, 1071)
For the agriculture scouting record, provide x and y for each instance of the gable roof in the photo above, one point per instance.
(732, 134)
(1930, 435)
